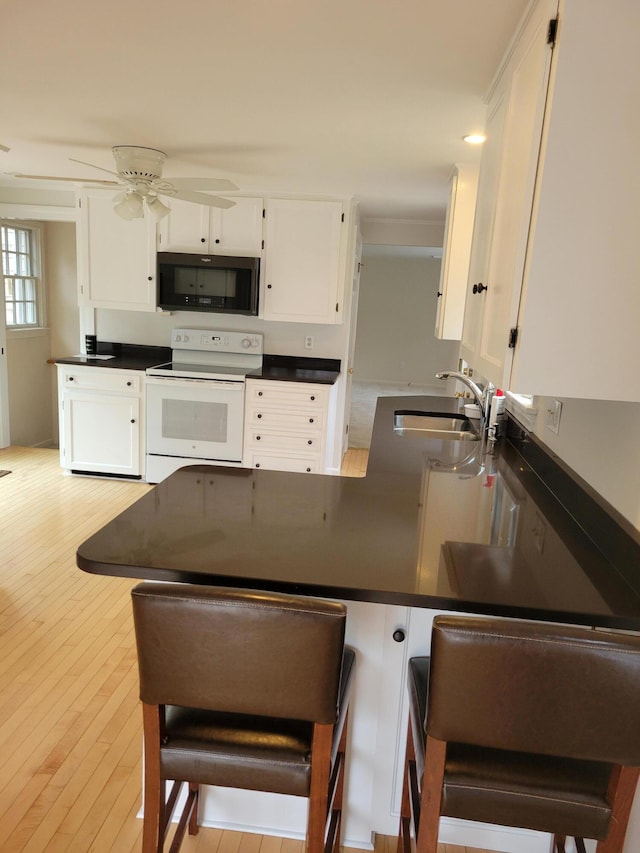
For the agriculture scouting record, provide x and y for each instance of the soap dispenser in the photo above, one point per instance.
(496, 414)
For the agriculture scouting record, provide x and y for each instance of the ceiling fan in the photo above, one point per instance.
(139, 172)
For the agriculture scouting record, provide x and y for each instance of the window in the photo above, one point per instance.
(20, 269)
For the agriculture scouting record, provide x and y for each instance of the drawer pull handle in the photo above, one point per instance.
(257, 438)
(312, 397)
(310, 420)
(259, 393)
(257, 464)
(133, 420)
(258, 416)
(309, 442)
(308, 470)
(129, 384)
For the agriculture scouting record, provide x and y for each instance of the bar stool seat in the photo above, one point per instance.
(241, 689)
(525, 725)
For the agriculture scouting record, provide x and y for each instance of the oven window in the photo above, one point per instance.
(205, 282)
(193, 420)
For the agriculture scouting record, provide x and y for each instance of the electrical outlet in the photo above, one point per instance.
(554, 413)
(308, 342)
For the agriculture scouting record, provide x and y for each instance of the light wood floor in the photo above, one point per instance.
(70, 725)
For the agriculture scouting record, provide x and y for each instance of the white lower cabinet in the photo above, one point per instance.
(286, 426)
(101, 420)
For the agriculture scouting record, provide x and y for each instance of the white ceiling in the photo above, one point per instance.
(363, 98)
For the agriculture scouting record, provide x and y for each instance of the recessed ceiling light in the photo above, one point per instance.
(475, 138)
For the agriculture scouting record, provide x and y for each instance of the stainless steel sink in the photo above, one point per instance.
(435, 424)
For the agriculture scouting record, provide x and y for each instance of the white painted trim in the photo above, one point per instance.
(46, 213)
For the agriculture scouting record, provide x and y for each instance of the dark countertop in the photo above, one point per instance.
(125, 357)
(448, 525)
(284, 368)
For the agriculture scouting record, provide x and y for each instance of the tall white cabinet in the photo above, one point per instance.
(555, 240)
(505, 192)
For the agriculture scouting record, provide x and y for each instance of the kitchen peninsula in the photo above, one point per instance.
(435, 525)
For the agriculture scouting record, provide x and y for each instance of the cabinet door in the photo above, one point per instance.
(237, 230)
(457, 250)
(102, 433)
(302, 272)
(185, 229)
(196, 228)
(515, 117)
(578, 323)
(116, 257)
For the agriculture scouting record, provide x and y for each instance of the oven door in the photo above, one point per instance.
(195, 418)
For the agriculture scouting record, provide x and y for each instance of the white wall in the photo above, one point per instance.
(396, 317)
(599, 440)
(138, 327)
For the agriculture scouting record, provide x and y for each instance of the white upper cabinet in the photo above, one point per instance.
(580, 305)
(116, 257)
(556, 235)
(457, 249)
(234, 230)
(505, 192)
(303, 273)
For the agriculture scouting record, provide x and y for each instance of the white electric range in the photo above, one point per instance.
(195, 402)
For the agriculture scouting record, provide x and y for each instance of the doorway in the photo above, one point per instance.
(396, 352)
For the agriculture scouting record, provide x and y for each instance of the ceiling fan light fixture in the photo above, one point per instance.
(157, 209)
(130, 207)
(133, 161)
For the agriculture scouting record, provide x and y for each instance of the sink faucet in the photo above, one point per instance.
(482, 395)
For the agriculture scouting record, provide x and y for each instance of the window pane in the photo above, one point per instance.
(10, 314)
(30, 313)
(23, 265)
(8, 289)
(23, 242)
(30, 289)
(10, 266)
(19, 286)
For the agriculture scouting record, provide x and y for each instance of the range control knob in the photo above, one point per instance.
(246, 343)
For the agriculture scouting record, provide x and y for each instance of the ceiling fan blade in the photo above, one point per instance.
(198, 198)
(213, 184)
(99, 168)
(100, 181)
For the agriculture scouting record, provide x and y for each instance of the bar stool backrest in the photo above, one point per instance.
(241, 651)
(539, 688)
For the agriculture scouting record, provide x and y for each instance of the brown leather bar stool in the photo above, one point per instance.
(243, 689)
(523, 724)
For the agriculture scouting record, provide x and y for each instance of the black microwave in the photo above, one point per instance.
(216, 283)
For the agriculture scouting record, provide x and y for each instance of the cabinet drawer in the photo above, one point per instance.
(276, 462)
(307, 422)
(287, 394)
(103, 380)
(290, 442)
